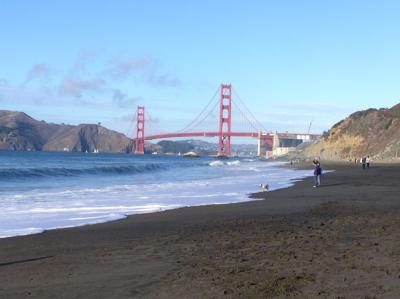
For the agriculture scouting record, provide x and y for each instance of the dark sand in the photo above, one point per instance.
(341, 240)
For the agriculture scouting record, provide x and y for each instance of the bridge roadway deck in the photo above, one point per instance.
(200, 134)
(233, 134)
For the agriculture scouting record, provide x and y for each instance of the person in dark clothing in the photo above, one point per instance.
(368, 160)
(364, 160)
(317, 175)
(315, 161)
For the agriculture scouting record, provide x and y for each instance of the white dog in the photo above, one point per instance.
(264, 187)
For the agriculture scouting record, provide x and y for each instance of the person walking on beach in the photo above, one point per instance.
(315, 161)
(368, 160)
(317, 174)
(363, 161)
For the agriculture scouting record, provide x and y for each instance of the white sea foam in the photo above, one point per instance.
(216, 163)
(33, 211)
(236, 162)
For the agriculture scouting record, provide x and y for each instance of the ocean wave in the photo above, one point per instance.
(216, 163)
(236, 162)
(220, 163)
(20, 173)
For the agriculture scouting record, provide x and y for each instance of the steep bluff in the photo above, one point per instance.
(374, 132)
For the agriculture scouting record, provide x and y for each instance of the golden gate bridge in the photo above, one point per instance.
(225, 131)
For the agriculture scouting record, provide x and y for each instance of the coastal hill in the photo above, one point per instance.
(19, 131)
(374, 132)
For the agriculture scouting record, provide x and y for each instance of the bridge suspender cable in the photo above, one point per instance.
(190, 125)
(245, 117)
(151, 124)
(248, 111)
(129, 132)
(204, 118)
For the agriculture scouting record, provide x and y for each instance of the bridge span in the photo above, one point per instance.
(225, 131)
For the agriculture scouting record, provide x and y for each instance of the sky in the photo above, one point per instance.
(291, 62)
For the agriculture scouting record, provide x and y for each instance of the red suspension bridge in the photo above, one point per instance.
(225, 102)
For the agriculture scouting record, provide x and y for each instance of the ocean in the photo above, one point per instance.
(48, 190)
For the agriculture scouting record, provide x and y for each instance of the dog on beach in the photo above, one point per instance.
(264, 187)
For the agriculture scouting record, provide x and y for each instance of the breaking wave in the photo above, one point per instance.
(15, 173)
(216, 163)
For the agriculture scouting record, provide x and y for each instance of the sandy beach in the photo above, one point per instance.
(337, 241)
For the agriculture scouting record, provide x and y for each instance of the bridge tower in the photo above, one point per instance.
(260, 145)
(225, 109)
(263, 140)
(139, 146)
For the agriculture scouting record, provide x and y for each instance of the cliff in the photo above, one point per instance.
(374, 132)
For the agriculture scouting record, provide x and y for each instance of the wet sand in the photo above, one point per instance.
(340, 240)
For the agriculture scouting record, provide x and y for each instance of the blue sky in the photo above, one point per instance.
(292, 62)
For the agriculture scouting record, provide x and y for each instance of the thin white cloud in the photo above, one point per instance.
(80, 66)
(86, 82)
(163, 80)
(122, 68)
(122, 99)
(76, 87)
(142, 69)
(37, 97)
(40, 70)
